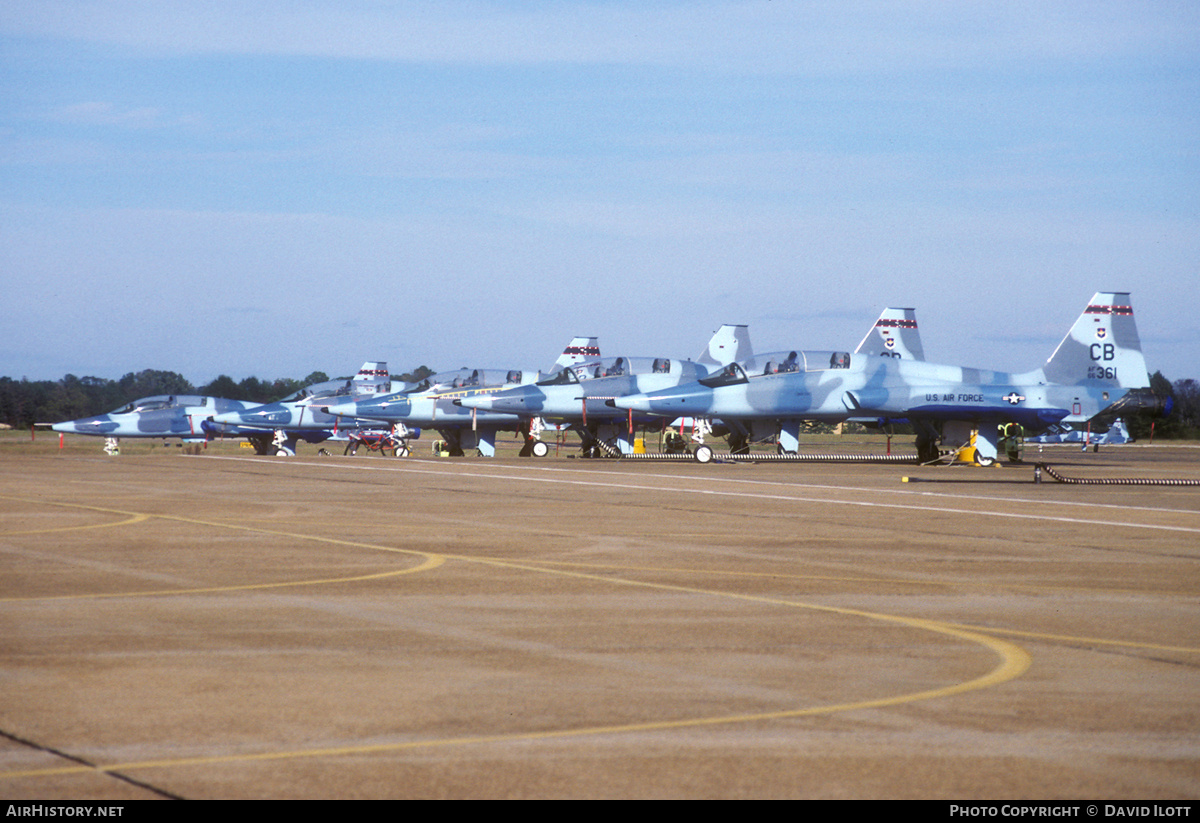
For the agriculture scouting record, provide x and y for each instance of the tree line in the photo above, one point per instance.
(25, 402)
(1183, 421)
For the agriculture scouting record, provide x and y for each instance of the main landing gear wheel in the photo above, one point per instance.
(402, 451)
(984, 461)
(703, 454)
(540, 449)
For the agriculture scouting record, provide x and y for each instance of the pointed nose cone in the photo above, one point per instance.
(273, 414)
(513, 402)
(101, 424)
(635, 402)
(476, 401)
(346, 408)
(390, 407)
(510, 401)
(683, 400)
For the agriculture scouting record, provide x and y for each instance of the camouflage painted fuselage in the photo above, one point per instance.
(434, 407)
(279, 415)
(567, 400)
(157, 416)
(1096, 365)
(299, 412)
(873, 387)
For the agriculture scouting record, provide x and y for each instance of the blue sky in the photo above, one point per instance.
(270, 189)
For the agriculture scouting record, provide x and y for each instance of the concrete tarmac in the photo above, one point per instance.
(230, 626)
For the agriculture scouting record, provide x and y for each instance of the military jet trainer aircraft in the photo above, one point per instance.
(576, 397)
(277, 427)
(1116, 434)
(432, 403)
(1098, 368)
(163, 415)
(582, 404)
(895, 335)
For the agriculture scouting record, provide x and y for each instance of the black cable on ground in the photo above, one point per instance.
(73, 759)
(1107, 481)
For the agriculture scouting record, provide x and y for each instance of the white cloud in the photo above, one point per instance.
(99, 113)
(753, 35)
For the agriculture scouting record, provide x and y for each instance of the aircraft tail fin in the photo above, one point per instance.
(579, 350)
(372, 378)
(1102, 347)
(729, 344)
(894, 334)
